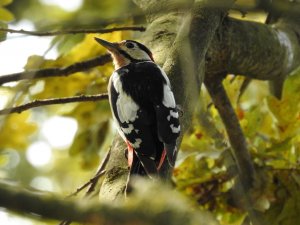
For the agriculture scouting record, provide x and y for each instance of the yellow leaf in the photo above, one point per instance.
(16, 130)
(5, 2)
(6, 15)
(90, 48)
(34, 62)
(283, 110)
(65, 86)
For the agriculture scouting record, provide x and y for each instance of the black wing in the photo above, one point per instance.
(144, 107)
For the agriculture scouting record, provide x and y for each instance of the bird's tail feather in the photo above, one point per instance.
(171, 151)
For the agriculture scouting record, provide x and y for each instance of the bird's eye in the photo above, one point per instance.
(129, 45)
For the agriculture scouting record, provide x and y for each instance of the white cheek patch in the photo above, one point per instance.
(175, 129)
(138, 54)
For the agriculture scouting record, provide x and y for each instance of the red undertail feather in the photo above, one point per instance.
(162, 159)
(130, 154)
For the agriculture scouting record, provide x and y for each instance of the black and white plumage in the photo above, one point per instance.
(143, 107)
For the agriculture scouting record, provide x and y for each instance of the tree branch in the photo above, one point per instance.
(92, 183)
(277, 46)
(54, 101)
(81, 31)
(235, 133)
(50, 72)
(170, 209)
(246, 172)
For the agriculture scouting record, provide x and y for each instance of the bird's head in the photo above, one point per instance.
(126, 52)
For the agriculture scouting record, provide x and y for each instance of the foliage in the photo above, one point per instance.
(205, 170)
(272, 130)
(5, 16)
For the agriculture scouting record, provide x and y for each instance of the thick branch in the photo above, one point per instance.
(50, 72)
(235, 133)
(256, 50)
(139, 209)
(81, 31)
(53, 101)
(246, 173)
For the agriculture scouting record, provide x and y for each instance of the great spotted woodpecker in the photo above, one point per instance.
(143, 107)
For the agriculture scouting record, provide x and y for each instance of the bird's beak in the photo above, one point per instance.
(112, 47)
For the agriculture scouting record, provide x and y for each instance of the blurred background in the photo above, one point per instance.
(57, 148)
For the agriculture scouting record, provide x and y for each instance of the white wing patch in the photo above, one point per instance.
(126, 107)
(137, 143)
(127, 130)
(168, 99)
(174, 114)
(175, 129)
(164, 75)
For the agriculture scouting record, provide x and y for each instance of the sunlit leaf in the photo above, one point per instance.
(3, 34)
(6, 15)
(5, 2)
(16, 131)
(34, 62)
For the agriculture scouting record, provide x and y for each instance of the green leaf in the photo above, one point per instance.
(3, 34)
(285, 211)
(6, 15)
(5, 2)
(81, 143)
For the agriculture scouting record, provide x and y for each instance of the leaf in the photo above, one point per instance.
(252, 120)
(81, 142)
(6, 15)
(286, 209)
(65, 43)
(16, 131)
(2, 33)
(34, 62)
(285, 111)
(5, 2)
(88, 142)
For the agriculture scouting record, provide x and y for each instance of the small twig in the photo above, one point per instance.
(101, 170)
(80, 31)
(50, 72)
(53, 101)
(93, 181)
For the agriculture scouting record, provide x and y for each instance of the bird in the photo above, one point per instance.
(143, 108)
